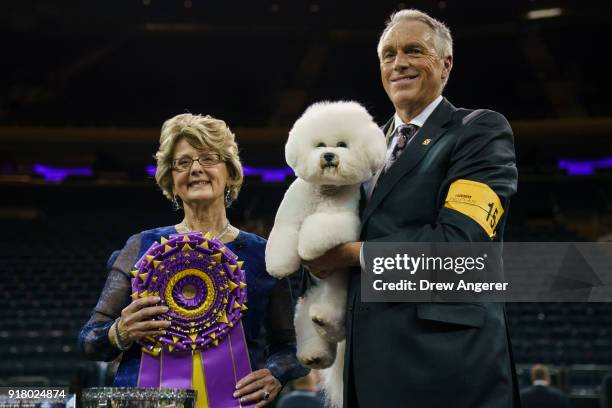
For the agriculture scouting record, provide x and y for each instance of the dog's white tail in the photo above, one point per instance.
(332, 379)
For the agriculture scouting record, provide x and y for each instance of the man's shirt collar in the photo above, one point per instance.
(419, 119)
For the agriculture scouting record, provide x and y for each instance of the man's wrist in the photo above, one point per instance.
(353, 256)
(361, 259)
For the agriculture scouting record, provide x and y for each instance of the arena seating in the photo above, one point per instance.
(55, 266)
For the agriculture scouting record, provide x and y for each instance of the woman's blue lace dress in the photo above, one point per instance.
(270, 305)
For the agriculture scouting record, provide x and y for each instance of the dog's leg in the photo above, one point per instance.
(327, 308)
(312, 350)
(332, 379)
(282, 257)
(320, 232)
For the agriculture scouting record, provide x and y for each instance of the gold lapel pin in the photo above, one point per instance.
(426, 142)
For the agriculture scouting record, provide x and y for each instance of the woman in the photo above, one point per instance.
(198, 169)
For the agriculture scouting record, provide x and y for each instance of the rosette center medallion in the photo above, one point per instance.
(190, 293)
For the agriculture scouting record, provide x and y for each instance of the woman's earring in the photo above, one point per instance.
(228, 198)
(175, 204)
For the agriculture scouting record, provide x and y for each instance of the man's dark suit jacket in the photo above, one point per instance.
(434, 355)
(540, 396)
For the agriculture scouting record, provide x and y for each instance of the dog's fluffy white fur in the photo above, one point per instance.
(333, 148)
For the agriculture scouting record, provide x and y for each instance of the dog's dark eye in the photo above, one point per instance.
(321, 144)
(341, 144)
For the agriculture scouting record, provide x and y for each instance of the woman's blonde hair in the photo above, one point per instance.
(201, 132)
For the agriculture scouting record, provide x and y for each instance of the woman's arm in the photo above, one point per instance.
(263, 386)
(95, 336)
(280, 349)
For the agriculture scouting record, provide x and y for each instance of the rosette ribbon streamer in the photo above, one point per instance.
(204, 286)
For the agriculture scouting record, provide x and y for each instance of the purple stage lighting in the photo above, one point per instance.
(583, 167)
(268, 174)
(58, 174)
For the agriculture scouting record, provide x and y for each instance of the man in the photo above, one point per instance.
(429, 355)
(541, 394)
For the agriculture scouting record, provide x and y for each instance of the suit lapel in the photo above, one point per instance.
(362, 200)
(414, 153)
(388, 129)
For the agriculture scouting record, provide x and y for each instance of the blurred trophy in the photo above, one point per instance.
(118, 397)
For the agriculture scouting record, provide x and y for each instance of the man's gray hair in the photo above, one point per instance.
(442, 40)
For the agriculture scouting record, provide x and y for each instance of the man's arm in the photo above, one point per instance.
(342, 256)
(483, 166)
(483, 154)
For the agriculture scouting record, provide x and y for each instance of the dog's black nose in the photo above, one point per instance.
(329, 157)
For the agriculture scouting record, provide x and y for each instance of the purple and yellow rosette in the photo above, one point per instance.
(204, 286)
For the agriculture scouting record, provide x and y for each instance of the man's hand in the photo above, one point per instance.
(342, 256)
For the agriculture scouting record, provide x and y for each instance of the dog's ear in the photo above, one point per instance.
(378, 147)
(291, 154)
(297, 132)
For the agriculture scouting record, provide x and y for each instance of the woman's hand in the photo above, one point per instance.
(136, 323)
(260, 386)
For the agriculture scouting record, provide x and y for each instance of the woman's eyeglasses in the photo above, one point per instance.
(206, 160)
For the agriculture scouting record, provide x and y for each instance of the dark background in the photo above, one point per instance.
(87, 85)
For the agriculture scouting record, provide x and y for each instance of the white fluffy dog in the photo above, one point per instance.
(333, 148)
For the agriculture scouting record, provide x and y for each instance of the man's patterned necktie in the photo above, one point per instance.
(405, 134)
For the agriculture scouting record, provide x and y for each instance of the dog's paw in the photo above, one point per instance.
(282, 266)
(330, 326)
(282, 270)
(317, 357)
(311, 250)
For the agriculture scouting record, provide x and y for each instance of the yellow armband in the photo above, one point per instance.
(477, 201)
